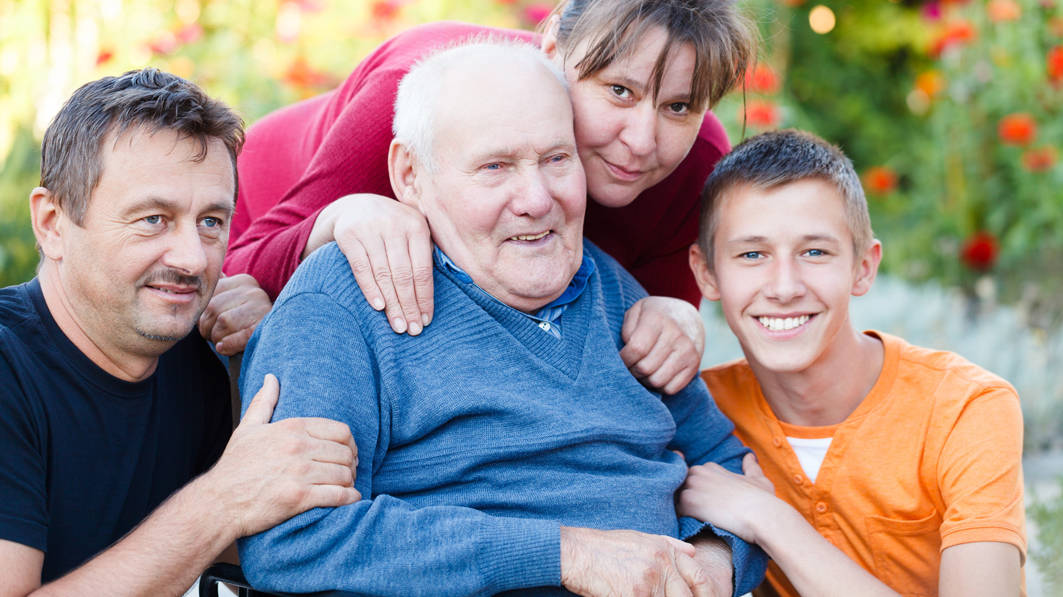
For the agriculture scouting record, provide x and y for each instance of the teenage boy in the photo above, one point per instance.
(904, 460)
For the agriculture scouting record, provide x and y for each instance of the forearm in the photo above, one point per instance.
(163, 555)
(810, 562)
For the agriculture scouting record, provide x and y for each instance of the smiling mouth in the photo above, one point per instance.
(530, 237)
(622, 173)
(782, 324)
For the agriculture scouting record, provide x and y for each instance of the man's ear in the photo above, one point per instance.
(403, 173)
(48, 222)
(867, 269)
(703, 274)
(549, 41)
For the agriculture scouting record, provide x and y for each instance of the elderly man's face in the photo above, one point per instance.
(506, 199)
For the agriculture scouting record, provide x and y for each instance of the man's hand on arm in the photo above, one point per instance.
(237, 307)
(389, 248)
(268, 473)
(663, 342)
(595, 562)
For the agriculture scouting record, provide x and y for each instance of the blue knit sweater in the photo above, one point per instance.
(477, 440)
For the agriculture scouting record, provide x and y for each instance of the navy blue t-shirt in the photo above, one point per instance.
(85, 456)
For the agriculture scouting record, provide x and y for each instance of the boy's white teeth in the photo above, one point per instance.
(531, 236)
(779, 324)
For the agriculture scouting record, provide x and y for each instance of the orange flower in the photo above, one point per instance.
(1055, 26)
(300, 74)
(1003, 10)
(762, 114)
(1040, 159)
(793, 2)
(980, 251)
(1054, 62)
(955, 33)
(385, 10)
(1017, 129)
(762, 79)
(104, 56)
(880, 179)
(930, 82)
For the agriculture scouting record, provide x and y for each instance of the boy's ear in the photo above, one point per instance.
(48, 221)
(403, 174)
(867, 268)
(703, 274)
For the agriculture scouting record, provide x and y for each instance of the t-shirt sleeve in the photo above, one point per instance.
(23, 468)
(980, 473)
(352, 158)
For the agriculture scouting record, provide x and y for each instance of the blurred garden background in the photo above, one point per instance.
(952, 111)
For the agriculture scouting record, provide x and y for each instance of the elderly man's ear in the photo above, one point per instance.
(403, 170)
(48, 222)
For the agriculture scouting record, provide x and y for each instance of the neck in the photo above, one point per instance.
(121, 364)
(828, 391)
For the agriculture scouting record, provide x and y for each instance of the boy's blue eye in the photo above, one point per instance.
(816, 253)
(750, 255)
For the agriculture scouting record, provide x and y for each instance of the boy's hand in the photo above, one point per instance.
(663, 341)
(732, 502)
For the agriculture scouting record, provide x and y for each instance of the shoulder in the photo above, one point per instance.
(947, 371)
(619, 288)
(731, 384)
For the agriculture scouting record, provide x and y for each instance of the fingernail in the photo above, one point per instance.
(425, 319)
(398, 324)
(415, 328)
(378, 303)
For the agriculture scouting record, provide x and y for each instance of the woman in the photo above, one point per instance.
(642, 77)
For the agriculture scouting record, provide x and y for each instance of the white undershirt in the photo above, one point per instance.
(810, 453)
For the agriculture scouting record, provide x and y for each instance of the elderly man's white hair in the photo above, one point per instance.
(415, 106)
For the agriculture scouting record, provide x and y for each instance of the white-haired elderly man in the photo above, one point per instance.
(498, 446)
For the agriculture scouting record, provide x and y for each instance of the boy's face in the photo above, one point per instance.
(783, 271)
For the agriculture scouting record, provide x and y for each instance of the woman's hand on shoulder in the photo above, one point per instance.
(389, 248)
(663, 341)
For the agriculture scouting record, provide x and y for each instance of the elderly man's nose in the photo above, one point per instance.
(533, 198)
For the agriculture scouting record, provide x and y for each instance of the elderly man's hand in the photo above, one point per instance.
(270, 472)
(232, 314)
(389, 248)
(663, 341)
(631, 563)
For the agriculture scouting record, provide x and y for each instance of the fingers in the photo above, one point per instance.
(400, 265)
(234, 343)
(261, 408)
(681, 546)
(753, 472)
(694, 576)
(329, 496)
(421, 256)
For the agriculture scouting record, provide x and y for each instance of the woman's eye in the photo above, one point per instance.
(678, 107)
(620, 91)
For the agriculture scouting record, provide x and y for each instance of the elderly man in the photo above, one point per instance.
(496, 444)
(108, 405)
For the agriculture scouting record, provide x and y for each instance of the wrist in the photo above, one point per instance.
(210, 506)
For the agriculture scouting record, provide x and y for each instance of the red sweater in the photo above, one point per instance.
(300, 158)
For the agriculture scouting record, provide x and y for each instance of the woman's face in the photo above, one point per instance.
(628, 140)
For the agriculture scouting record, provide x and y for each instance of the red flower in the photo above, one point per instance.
(385, 10)
(1040, 159)
(104, 56)
(762, 114)
(1017, 129)
(537, 12)
(1003, 10)
(793, 2)
(302, 75)
(980, 251)
(762, 79)
(1055, 64)
(955, 33)
(163, 43)
(880, 179)
(189, 33)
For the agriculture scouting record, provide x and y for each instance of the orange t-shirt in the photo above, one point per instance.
(931, 458)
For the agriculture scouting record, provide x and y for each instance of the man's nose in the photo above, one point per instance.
(786, 282)
(640, 128)
(185, 252)
(533, 197)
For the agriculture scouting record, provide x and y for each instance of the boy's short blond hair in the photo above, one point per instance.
(781, 157)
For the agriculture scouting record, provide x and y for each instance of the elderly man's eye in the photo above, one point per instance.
(558, 158)
(154, 220)
(492, 166)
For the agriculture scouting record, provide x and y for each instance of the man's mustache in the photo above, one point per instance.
(169, 276)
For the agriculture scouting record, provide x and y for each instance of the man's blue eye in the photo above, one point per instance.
(156, 219)
(211, 222)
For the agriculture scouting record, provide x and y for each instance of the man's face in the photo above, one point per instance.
(783, 271)
(507, 196)
(142, 265)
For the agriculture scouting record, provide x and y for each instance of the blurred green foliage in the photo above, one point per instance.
(1047, 514)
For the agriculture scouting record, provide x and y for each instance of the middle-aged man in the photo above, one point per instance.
(108, 405)
(506, 447)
